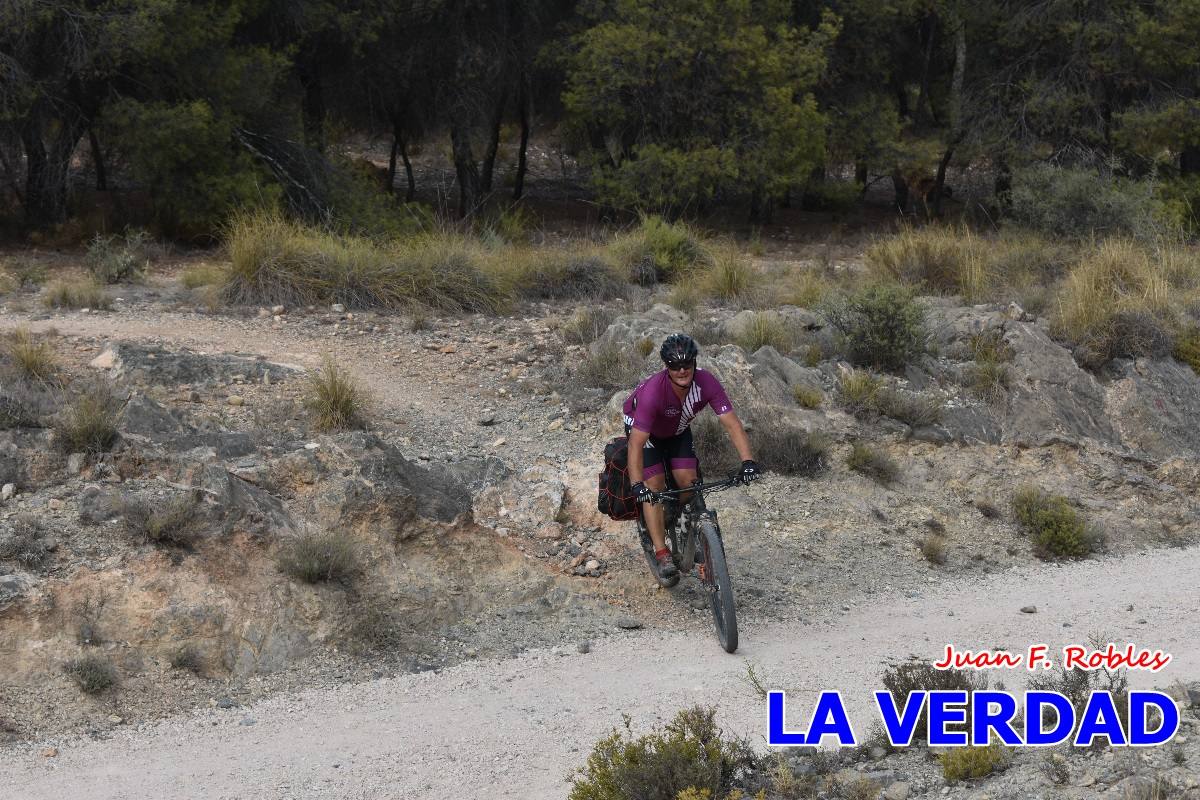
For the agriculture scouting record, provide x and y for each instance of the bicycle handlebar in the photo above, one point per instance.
(703, 488)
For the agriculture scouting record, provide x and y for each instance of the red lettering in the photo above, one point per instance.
(1072, 656)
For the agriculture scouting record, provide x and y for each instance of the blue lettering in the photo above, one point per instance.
(1138, 735)
(900, 730)
(940, 716)
(983, 720)
(776, 735)
(828, 719)
(1064, 714)
(1099, 719)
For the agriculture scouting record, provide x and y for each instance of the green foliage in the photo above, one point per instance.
(658, 250)
(1081, 203)
(1056, 528)
(969, 763)
(1187, 348)
(114, 259)
(675, 100)
(858, 390)
(204, 275)
(883, 325)
(873, 463)
(185, 154)
(319, 558)
(334, 399)
(690, 752)
(91, 673)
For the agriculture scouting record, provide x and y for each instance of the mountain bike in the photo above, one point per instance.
(695, 540)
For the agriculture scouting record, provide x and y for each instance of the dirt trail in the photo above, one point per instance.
(515, 728)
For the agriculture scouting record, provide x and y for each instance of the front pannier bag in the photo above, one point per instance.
(616, 498)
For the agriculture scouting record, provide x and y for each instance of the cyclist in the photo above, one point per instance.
(658, 415)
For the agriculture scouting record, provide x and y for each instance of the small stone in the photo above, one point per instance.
(628, 623)
(263, 313)
(897, 791)
(276, 310)
(114, 719)
(55, 504)
(591, 565)
(555, 425)
(1028, 609)
(7, 492)
(311, 445)
(337, 308)
(247, 721)
(75, 463)
(486, 419)
(447, 349)
(584, 647)
(225, 702)
(235, 400)
(50, 752)
(500, 442)
(105, 360)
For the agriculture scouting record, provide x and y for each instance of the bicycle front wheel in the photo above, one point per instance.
(720, 589)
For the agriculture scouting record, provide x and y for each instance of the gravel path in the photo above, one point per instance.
(515, 728)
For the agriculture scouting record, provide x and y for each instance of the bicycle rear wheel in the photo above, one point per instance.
(716, 581)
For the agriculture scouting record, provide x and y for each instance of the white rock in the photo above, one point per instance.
(7, 492)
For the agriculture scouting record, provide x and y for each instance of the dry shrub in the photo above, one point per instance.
(807, 396)
(789, 450)
(731, 277)
(204, 275)
(319, 558)
(933, 548)
(188, 659)
(904, 679)
(766, 329)
(24, 544)
(76, 294)
(934, 258)
(34, 360)
(873, 463)
(335, 399)
(176, 520)
(562, 275)
(91, 673)
(971, 763)
(587, 324)
(610, 366)
(88, 424)
(911, 408)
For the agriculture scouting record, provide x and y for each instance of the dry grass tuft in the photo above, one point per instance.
(34, 360)
(335, 399)
(319, 558)
(88, 424)
(873, 463)
(76, 294)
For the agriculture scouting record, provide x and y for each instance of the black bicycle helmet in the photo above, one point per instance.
(678, 347)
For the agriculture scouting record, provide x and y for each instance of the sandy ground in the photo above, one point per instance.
(516, 728)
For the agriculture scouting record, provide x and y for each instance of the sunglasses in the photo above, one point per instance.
(678, 366)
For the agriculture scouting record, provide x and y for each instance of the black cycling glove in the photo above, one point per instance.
(641, 492)
(750, 471)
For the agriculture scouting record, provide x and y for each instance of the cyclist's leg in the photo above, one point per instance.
(685, 467)
(653, 475)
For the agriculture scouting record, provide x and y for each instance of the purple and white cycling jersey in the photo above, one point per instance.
(655, 408)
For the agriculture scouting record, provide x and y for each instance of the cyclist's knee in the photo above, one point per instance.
(656, 483)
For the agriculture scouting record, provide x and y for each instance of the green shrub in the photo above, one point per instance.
(807, 397)
(335, 399)
(658, 250)
(969, 763)
(34, 360)
(176, 520)
(1081, 203)
(560, 275)
(689, 753)
(873, 463)
(88, 424)
(883, 326)
(1055, 527)
(92, 673)
(319, 557)
(114, 259)
(766, 328)
(1187, 348)
(76, 294)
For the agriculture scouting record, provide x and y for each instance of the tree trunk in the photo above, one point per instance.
(860, 174)
(900, 186)
(923, 111)
(467, 171)
(312, 102)
(956, 121)
(47, 172)
(1189, 160)
(98, 161)
(523, 97)
(489, 156)
(391, 173)
(411, 192)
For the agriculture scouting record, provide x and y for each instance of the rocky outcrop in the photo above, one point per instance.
(528, 504)
(150, 364)
(1154, 405)
(656, 324)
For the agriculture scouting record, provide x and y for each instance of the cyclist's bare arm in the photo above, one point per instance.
(737, 435)
(637, 440)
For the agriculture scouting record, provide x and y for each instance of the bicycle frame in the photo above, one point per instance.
(694, 508)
